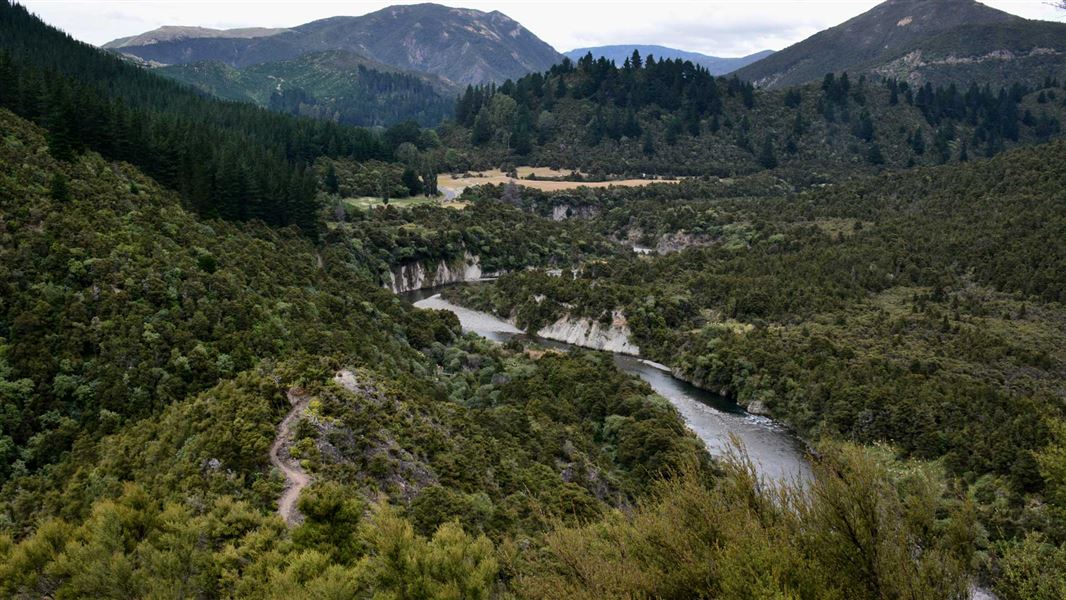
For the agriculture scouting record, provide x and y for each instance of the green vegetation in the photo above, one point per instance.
(673, 118)
(160, 317)
(226, 159)
(336, 86)
(146, 361)
(846, 537)
(503, 237)
(921, 309)
(460, 45)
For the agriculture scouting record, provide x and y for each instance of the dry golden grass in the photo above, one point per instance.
(496, 176)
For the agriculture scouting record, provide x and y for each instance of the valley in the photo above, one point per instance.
(409, 304)
(722, 425)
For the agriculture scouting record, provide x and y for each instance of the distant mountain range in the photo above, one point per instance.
(463, 46)
(171, 33)
(939, 41)
(715, 64)
(409, 62)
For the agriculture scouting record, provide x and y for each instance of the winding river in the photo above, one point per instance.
(776, 453)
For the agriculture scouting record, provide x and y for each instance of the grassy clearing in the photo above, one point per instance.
(368, 202)
(496, 176)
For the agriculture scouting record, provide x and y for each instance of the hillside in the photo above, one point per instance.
(920, 311)
(715, 65)
(673, 118)
(463, 46)
(215, 380)
(337, 85)
(909, 39)
(141, 400)
(226, 159)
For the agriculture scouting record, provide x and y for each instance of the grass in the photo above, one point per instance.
(368, 202)
(496, 176)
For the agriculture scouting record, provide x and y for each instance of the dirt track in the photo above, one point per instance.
(295, 477)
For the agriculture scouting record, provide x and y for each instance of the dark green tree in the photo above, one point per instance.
(330, 180)
(874, 156)
(58, 188)
(767, 155)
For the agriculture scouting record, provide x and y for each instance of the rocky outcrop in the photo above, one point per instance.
(679, 240)
(758, 407)
(587, 333)
(562, 212)
(419, 275)
(912, 67)
(666, 243)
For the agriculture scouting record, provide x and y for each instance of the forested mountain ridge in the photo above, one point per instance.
(462, 45)
(336, 86)
(938, 41)
(227, 159)
(674, 118)
(715, 65)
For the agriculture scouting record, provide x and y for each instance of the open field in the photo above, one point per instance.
(453, 185)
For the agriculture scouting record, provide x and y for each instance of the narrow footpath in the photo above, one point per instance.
(296, 479)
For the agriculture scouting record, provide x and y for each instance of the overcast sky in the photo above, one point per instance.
(712, 27)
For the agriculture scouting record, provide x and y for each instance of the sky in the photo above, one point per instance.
(712, 27)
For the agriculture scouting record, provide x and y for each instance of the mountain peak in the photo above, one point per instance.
(460, 44)
(897, 28)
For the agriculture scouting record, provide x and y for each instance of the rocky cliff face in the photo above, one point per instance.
(587, 333)
(419, 275)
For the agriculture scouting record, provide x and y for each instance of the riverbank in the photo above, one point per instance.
(720, 423)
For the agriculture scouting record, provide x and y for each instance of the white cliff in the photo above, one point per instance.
(417, 275)
(587, 333)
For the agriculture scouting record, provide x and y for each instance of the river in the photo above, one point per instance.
(776, 453)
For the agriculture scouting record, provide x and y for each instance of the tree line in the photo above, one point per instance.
(227, 159)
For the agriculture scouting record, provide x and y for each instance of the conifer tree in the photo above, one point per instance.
(767, 155)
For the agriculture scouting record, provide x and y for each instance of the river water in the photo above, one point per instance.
(776, 453)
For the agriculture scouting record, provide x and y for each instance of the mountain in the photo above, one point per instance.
(169, 33)
(922, 40)
(336, 85)
(717, 65)
(462, 45)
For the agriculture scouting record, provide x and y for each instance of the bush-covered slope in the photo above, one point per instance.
(145, 361)
(674, 118)
(922, 309)
(226, 159)
(336, 86)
